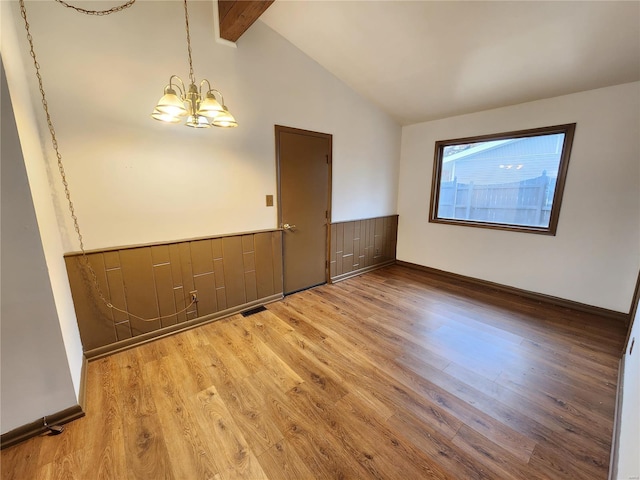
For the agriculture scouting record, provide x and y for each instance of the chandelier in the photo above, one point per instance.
(178, 102)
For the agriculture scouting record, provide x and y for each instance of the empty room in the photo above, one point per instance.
(301, 239)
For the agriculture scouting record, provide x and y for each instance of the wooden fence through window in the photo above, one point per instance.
(527, 202)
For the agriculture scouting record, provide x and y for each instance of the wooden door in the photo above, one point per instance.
(304, 187)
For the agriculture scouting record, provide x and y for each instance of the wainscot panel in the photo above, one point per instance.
(228, 274)
(360, 246)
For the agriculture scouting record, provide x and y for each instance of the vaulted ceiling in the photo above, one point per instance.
(424, 60)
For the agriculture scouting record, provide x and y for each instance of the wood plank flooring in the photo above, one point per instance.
(390, 375)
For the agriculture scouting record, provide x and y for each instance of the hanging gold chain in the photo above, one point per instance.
(192, 77)
(119, 8)
(63, 176)
(54, 142)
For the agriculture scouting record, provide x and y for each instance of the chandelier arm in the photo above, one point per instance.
(186, 21)
(221, 96)
(212, 90)
(182, 90)
(208, 83)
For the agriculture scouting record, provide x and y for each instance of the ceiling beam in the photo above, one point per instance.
(236, 16)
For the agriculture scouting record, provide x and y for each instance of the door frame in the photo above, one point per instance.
(278, 129)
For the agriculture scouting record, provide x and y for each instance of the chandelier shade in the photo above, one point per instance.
(225, 119)
(210, 107)
(201, 111)
(171, 104)
(198, 121)
(165, 117)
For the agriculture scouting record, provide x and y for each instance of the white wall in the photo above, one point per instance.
(40, 178)
(594, 257)
(36, 379)
(629, 436)
(135, 180)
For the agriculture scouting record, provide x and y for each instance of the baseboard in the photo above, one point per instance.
(538, 297)
(112, 348)
(632, 313)
(360, 271)
(37, 427)
(82, 394)
(613, 457)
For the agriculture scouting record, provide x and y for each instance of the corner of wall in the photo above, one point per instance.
(18, 79)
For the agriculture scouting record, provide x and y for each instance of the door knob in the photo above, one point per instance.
(286, 226)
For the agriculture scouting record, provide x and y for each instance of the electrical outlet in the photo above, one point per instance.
(194, 295)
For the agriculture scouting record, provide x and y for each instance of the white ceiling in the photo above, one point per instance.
(425, 60)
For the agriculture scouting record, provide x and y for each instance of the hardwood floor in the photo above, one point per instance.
(390, 375)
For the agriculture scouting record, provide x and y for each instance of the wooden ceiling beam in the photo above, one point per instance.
(236, 16)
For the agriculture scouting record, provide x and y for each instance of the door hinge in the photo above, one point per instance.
(327, 157)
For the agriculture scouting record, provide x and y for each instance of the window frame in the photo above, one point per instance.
(567, 129)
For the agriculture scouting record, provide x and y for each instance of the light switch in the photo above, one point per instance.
(269, 200)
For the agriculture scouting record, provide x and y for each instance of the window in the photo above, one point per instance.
(509, 181)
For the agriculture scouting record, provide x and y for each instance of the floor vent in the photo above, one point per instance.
(252, 311)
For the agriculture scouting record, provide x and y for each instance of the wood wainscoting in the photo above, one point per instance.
(230, 274)
(359, 246)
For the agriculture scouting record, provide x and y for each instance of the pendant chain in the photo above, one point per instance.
(100, 13)
(63, 176)
(192, 77)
